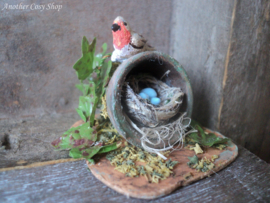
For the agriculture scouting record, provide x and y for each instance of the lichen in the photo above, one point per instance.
(202, 165)
(135, 162)
(197, 149)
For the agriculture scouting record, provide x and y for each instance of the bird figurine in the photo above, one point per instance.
(126, 42)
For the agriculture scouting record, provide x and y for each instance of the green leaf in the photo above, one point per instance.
(80, 87)
(82, 136)
(104, 48)
(206, 140)
(90, 152)
(75, 153)
(76, 135)
(84, 88)
(86, 103)
(92, 116)
(85, 45)
(108, 148)
(81, 114)
(96, 69)
(100, 86)
(97, 62)
(87, 132)
(65, 143)
(103, 79)
(84, 66)
(91, 161)
(92, 46)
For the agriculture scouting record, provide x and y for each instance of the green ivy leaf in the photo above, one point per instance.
(98, 61)
(91, 161)
(82, 115)
(75, 153)
(84, 66)
(84, 88)
(104, 48)
(85, 46)
(65, 143)
(76, 134)
(90, 152)
(100, 86)
(206, 140)
(87, 132)
(108, 148)
(82, 136)
(103, 78)
(82, 139)
(92, 46)
(85, 105)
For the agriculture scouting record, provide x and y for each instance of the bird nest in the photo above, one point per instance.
(143, 113)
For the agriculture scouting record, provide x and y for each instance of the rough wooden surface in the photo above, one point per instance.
(246, 84)
(28, 140)
(247, 179)
(225, 48)
(141, 188)
(199, 39)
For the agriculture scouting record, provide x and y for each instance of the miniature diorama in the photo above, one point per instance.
(136, 132)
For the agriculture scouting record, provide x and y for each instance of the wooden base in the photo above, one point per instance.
(142, 189)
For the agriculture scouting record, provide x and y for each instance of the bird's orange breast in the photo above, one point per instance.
(121, 37)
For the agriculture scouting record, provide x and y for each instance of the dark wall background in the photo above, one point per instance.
(223, 45)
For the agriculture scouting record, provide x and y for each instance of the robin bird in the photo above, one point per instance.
(126, 42)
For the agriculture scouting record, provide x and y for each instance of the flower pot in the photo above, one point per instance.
(155, 64)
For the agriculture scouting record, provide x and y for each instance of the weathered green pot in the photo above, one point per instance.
(156, 64)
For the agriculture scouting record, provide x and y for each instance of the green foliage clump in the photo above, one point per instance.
(93, 71)
(203, 139)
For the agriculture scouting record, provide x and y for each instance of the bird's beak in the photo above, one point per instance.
(115, 27)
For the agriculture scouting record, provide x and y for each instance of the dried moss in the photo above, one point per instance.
(135, 162)
(203, 164)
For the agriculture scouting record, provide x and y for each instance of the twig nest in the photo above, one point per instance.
(159, 110)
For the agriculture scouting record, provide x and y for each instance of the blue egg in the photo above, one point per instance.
(144, 96)
(150, 92)
(155, 101)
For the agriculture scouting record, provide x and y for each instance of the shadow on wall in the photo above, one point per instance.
(201, 106)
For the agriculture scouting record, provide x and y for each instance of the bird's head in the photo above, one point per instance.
(121, 32)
